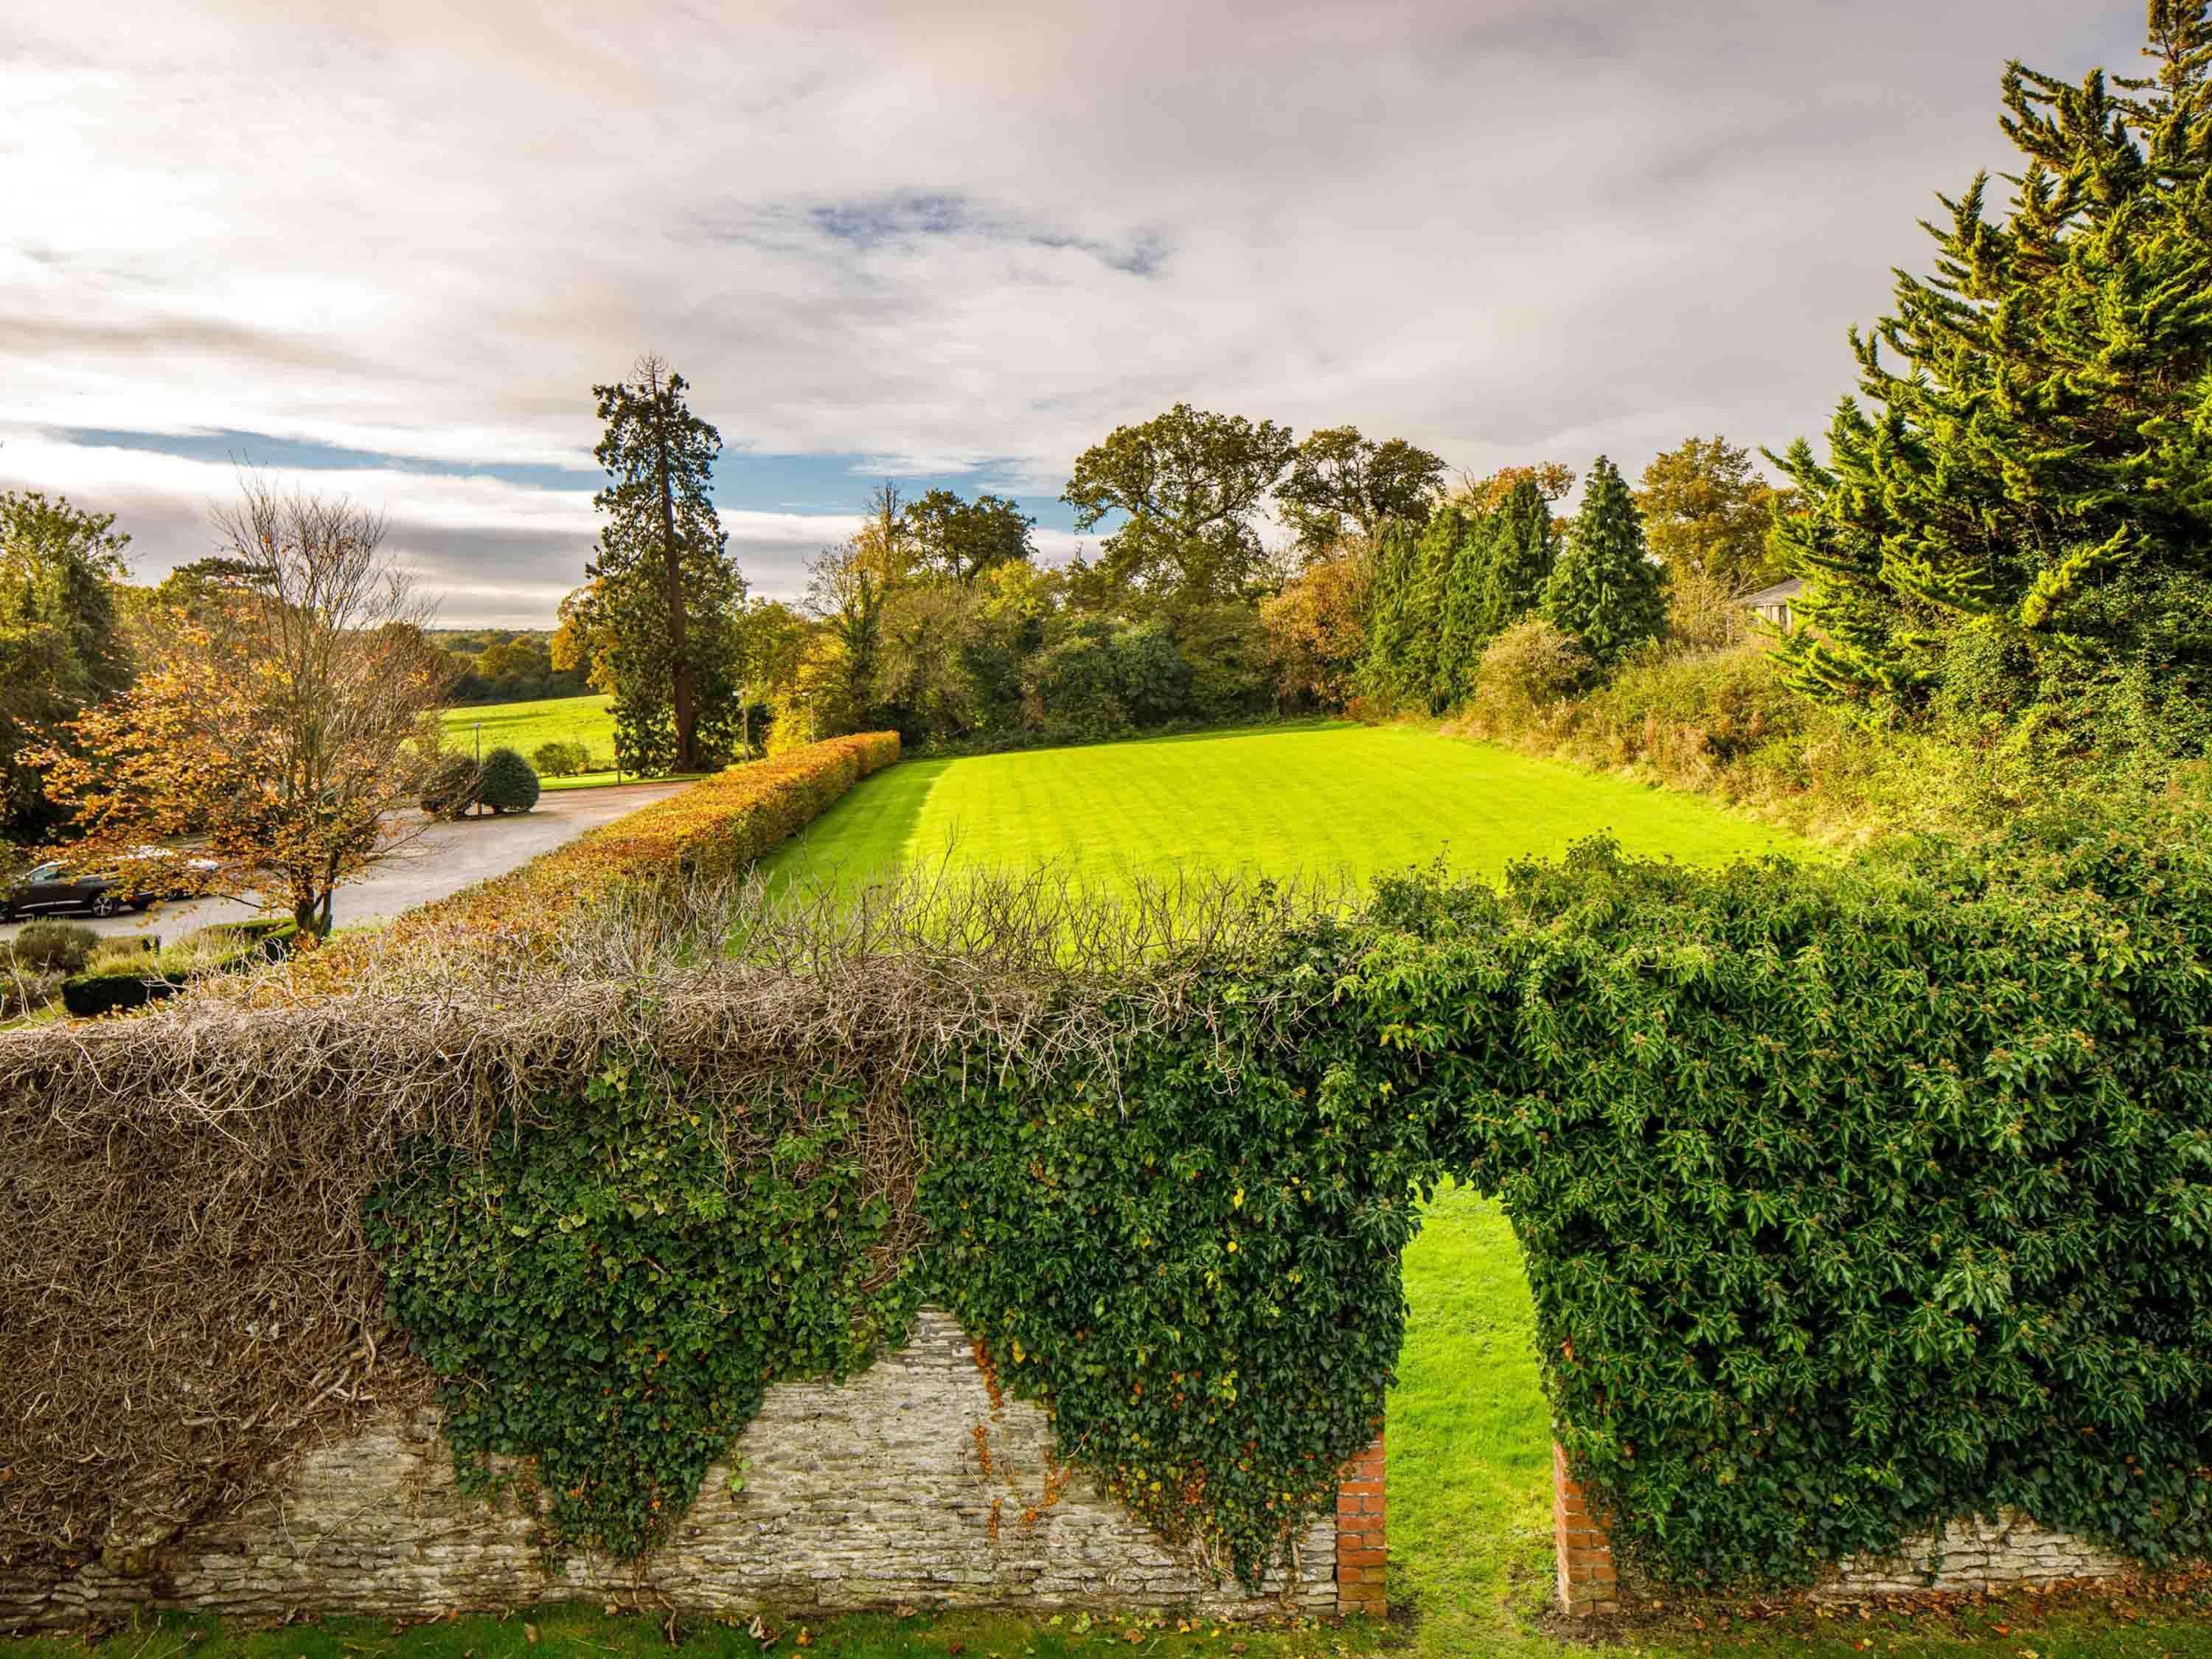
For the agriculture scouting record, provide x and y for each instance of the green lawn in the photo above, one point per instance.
(1321, 800)
(524, 726)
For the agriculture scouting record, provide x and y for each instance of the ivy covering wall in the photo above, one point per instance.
(1853, 1197)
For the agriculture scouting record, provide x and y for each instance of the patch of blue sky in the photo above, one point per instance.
(745, 480)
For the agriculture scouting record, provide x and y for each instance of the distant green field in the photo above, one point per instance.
(524, 726)
(1324, 800)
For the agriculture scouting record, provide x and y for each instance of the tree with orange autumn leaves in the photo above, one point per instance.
(280, 725)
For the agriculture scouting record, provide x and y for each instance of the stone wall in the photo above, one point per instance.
(913, 1482)
(1977, 1554)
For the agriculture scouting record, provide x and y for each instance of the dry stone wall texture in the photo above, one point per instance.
(1980, 1553)
(912, 1482)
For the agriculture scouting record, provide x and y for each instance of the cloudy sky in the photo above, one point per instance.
(389, 246)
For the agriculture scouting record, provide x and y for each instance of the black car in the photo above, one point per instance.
(53, 887)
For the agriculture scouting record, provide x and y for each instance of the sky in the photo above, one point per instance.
(386, 249)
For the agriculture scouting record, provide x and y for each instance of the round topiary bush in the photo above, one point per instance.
(452, 787)
(509, 783)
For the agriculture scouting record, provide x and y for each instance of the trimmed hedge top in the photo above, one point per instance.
(710, 829)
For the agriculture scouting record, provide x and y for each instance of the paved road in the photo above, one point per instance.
(443, 859)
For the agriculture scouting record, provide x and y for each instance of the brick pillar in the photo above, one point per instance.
(1360, 1535)
(1586, 1584)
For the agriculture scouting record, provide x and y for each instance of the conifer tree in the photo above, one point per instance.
(1523, 547)
(1605, 589)
(661, 608)
(1391, 619)
(2019, 527)
(1434, 557)
(1466, 628)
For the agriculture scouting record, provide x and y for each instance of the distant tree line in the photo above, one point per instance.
(1242, 571)
(503, 664)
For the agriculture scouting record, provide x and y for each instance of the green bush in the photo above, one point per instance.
(559, 759)
(452, 787)
(116, 985)
(508, 783)
(1527, 673)
(54, 947)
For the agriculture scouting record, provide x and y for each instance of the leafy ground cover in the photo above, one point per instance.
(524, 726)
(1320, 799)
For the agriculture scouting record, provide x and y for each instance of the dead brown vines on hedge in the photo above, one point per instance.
(185, 1295)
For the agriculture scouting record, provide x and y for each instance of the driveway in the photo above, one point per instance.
(438, 859)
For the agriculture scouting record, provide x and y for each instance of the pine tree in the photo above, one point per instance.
(661, 606)
(1605, 589)
(1466, 628)
(2020, 528)
(1391, 619)
(1522, 550)
(1434, 556)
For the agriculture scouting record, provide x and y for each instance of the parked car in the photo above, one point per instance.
(161, 861)
(51, 887)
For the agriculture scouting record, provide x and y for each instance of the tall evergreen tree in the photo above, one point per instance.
(2020, 527)
(1435, 554)
(1393, 618)
(1465, 626)
(1523, 547)
(660, 609)
(1605, 589)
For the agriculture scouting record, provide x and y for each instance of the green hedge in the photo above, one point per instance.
(1853, 1197)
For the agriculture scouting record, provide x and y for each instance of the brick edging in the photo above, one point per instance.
(1587, 1581)
(1361, 1533)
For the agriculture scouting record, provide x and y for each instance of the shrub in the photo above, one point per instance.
(558, 759)
(54, 947)
(131, 974)
(509, 784)
(1526, 672)
(116, 984)
(451, 788)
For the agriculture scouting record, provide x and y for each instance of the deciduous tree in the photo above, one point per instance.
(279, 724)
(962, 540)
(1341, 484)
(1486, 495)
(1706, 510)
(1317, 626)
(1190, 483)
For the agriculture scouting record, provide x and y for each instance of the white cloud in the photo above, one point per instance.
(950, 234)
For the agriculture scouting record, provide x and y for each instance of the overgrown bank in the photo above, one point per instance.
(1852, 1198)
